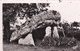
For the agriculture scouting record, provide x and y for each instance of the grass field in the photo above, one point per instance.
(17, 47)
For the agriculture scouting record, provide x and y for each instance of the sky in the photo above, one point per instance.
(70, 11)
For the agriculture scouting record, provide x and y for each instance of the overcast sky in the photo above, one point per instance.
(69, 11)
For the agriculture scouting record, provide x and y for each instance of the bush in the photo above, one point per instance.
(61, 42)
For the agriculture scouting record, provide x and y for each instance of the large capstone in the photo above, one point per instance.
(38, 21)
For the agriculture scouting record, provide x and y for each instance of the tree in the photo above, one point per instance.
(10, 10)
(75, 24)
(8, 14)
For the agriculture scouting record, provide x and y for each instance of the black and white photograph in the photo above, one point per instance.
(42, 26)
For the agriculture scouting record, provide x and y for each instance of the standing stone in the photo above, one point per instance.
(55, 32)
(28, 40)
(48, 31)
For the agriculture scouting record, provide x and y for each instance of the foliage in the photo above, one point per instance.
(11, 9)
(75, 24)
(59, 42)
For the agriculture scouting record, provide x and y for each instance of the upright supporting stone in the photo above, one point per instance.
(28, 40)
(48, 31)
(55, 32)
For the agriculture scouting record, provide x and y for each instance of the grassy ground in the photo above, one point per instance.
(17, 47)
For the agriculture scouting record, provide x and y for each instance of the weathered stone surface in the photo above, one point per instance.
(28, 40)
(38, 21)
